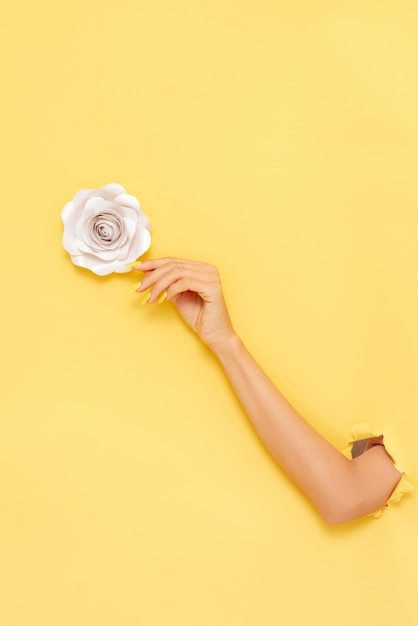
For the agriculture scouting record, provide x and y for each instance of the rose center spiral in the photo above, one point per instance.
(106, 228)
(105, 231)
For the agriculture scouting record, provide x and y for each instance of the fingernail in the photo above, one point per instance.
(135, 287)
(145, 298)
(134, 264)
(162, 297)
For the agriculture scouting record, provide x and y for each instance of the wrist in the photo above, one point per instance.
(228, 348)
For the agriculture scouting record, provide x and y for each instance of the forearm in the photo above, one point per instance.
(339, 488)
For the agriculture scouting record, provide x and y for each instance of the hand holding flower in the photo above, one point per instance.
(195, 289)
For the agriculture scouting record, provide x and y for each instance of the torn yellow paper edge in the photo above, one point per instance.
(363, 431)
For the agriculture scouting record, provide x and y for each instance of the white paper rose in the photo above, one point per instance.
(104, 229)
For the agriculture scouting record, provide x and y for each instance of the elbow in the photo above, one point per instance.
(373, 479)
(333, 516)
(349, 507)
(344, 507)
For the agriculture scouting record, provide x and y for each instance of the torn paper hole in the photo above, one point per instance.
(363, 440)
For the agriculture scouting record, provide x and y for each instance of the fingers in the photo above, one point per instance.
(176, 280)
(153, 264)
(208, 290)
(174, 276)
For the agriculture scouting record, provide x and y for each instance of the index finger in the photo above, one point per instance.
(153, 264)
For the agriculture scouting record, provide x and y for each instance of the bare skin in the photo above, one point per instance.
(341, 489)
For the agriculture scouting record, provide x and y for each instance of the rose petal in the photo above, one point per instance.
(127, 200)
(144, 221)
(99, 267)
(124, 249)
(128, 212)
(69, 242)
(121, 267)
(69, 219)
(108, 192)
(98, 204)
(81, 198)
(111, 190)
(131, 226)
(70, 216)
(132, 229)
(139, 244)
(102, 253)
(67, 211)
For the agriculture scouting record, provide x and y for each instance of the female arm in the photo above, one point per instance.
(340, 489)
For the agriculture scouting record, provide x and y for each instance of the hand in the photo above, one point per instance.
(195, 290)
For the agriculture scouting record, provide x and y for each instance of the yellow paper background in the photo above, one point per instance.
(278, 140)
